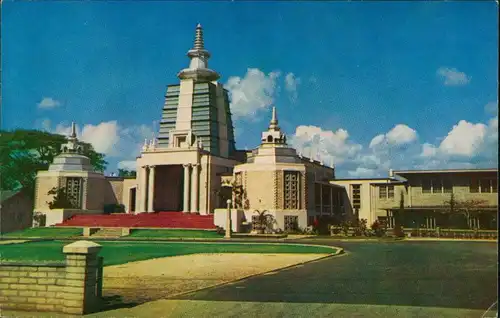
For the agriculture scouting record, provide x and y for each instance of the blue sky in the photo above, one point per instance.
(367, 85)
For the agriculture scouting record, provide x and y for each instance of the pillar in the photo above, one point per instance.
(228, 220)
(143, 186)
(331, 201)
(151, 189)
(81, 290)
(186, 207)
(321, 199)
(195, 193)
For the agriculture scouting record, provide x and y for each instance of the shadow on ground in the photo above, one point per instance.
(424, 274)
(113, 302)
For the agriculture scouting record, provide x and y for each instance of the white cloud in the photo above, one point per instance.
(48, 103)
(452, 76)
(312, 141)
(111, 139)
(104, 137)
(467, 145)
(399, 135)
(464, 139)
(253, 93)
(291, 83)
(428, 150)
(362, 173)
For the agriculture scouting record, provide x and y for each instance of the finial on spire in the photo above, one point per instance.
(273, 125)
(73, 130)
(198, 40)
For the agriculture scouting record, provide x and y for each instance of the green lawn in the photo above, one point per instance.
(49, 232)
(123, 252)
(172, 233)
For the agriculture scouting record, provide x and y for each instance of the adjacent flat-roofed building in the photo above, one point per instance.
(425, 196)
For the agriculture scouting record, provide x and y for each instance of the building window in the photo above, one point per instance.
(356, 196)
(426, 186)
(474, 186)
(437, 185)
(74, 191)
(386, 192)
(291, 191)
(483, 186)
(447, 185)
(291, 223)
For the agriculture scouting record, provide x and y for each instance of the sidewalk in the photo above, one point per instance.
(447, 239)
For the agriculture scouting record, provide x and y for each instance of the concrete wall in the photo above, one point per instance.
(73, 287)
(55, 216)
(16, 213)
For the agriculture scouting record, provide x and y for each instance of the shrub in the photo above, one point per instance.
(378, 228)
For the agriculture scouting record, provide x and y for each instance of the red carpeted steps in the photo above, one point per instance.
(153, 220)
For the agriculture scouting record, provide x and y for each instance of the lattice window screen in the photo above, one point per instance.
(291, 222)
(291, 191)
(74, 191)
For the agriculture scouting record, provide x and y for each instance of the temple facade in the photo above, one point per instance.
(192, 166)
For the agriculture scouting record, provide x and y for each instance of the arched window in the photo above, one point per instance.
(269, 138)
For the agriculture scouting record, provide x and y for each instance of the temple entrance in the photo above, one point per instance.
(169, 187)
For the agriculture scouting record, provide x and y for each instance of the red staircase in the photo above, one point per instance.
(176, 220)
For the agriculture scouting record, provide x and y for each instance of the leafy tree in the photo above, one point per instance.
(399, 217)
(468, 208)
(126, 173)
(60, 200)
(24, 152)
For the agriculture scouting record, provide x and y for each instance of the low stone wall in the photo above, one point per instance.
(73, 287)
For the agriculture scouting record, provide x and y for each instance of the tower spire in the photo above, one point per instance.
(273, 125)
(198, 67)
(73, 130)
(198, 40)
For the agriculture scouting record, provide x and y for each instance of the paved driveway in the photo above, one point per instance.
(423, 274)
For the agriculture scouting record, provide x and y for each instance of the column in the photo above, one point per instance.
(81, 284)
(195, 194)
(187, 182)
(151, 188)
(143, 187)
(331, 201)
(321, 198)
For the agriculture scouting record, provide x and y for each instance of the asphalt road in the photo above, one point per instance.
(433, 274)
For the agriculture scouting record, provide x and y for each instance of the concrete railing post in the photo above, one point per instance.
(80, 291)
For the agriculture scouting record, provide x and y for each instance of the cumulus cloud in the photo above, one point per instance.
(48, 103)
(253, 93)
(291, 83)
(104, 137)
(122, 143)
(464, 139)
(452, 76)
(399, 135)
(466, 145)
(325, 145)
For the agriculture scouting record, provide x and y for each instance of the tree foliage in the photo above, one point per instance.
(60, 200)
(25, 152)
(126, 173)
(469, 208)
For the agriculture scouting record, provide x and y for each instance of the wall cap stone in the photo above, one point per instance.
(82, 247)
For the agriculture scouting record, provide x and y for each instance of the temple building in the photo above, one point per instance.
(192, 169)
